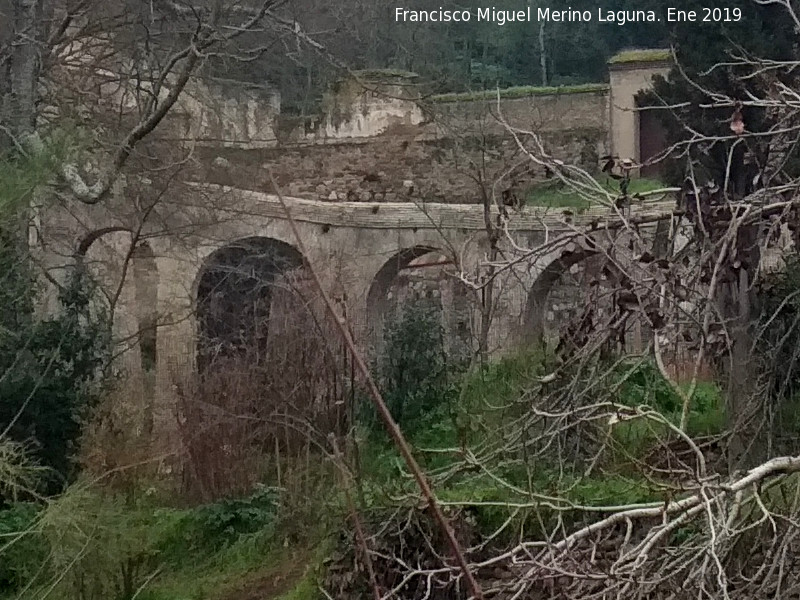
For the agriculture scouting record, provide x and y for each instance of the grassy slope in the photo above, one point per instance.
(233, 550)
(555, 195)
(486, 402)
(241, 573)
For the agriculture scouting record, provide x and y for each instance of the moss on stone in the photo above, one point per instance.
(641, 55)
(521, 92)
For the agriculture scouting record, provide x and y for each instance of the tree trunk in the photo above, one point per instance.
(736, 308)
(542, 53)
(20, 98)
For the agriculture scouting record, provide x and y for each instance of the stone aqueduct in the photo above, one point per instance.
(377, 181)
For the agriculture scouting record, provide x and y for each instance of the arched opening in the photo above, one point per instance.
(235, 297)
(272, 374)
(411, 311)
(562, 292)
(576, 293)
(419, 276)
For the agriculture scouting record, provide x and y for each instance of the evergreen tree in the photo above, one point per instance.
(49, 368)
(702, 50)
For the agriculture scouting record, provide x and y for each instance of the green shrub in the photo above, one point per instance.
(90, 545)
(642, 384)
(220, 524)
(706, 411)
(22, 549)
(50, 368)
(101, 547)
(413, 372)
(502, 381)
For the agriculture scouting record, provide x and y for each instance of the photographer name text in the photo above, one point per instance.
(538, 15)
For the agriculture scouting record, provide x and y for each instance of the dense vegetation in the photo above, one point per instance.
(51, 367)
(452, 57)
(95, 542)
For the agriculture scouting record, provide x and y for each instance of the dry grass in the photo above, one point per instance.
(247, 416)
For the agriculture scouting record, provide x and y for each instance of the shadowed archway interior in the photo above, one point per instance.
(378, 301)
(234, 298)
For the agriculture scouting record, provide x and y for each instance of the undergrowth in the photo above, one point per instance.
(90, 545)
(94, 544)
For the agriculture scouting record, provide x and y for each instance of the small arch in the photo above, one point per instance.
(381, 300)
(539, 300)
(591, 292)
(387, 274)
(234, 297)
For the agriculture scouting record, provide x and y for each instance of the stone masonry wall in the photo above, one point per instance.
(394, 168)
(383, 143)
(378, 137)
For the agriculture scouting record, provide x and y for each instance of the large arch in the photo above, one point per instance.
(235, 294)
